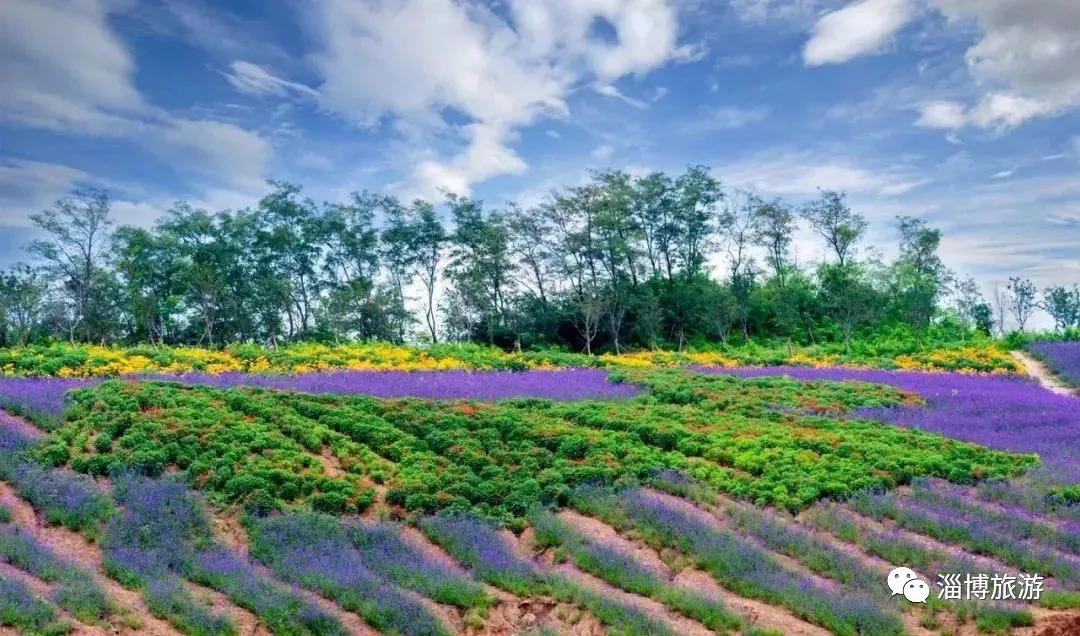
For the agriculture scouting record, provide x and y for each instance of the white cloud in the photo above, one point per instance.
(1004, 174)
(609, 90)
(604, 152)
(28, 187)
(1025, 58)
(1004, 111)
(796, 11)
(1000, 111)
(660, 93)
(499, 74)
(65, 70)
(901, 187)
(62, 66)
(861, 28)
(135, 213)
(800, 174)
(253, 79)
(726, 118)
(944, 115)
(215, 148)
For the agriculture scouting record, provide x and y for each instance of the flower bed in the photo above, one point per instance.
(997, 411)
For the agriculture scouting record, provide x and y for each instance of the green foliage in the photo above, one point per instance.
(769, 440)
(1059, 599)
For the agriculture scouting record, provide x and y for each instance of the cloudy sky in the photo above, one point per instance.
(966, 112)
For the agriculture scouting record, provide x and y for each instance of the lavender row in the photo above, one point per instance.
(22, 609)
(42, 399)
(622, 570)
(952, 526)
(1017, 523)
(75, 589)
(314, 551)
(1038, 493)
(384, 551)
(734, 562)
(164, 535)
(1063, 358)
(144, 548)
(811, 551)
(63, 497)
(1004, 412)
(477, 544)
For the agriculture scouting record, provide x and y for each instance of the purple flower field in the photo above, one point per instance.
(1063, 358)
(1004, 412)
(560, 384)
(42, 399)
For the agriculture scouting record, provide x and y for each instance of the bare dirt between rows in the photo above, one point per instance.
(1039, 371)
(231, 532)
(77, 548)
(524, 548)
(510, 614)
(756, 612)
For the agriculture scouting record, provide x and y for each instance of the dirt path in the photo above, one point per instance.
(756, 612)
(1039, 372)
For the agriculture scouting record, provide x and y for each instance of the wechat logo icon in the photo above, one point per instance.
(905, 581)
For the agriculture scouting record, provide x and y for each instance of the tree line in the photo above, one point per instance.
(621, 261)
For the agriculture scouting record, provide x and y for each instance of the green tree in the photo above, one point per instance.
(1022, 302)
(842, 229)
(22, 302)
(78, 229)
(919, 276)
(1063, 305)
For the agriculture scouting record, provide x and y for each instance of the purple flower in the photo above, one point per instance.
(1063, 358)
(163, 533)
(477, 544)
(42, 399)
(739, 564)
(39, 399)
(562, 384)
(1005, 412)
(63, 496)
(387, 553)
(314, 551)
(20, 607)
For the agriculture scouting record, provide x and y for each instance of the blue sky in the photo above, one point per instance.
(966, 112)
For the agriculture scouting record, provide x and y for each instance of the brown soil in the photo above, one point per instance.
(331, 464)
(524, 547)
(986, 563)
(76, 547)
(971, 496)
(757, 612)
(716, 518)
(247, 623)
(44, 590)
(1039, 372)
(20, 425)
(231, 532)
(602, 532)
(510, 614)
(1067, 624)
